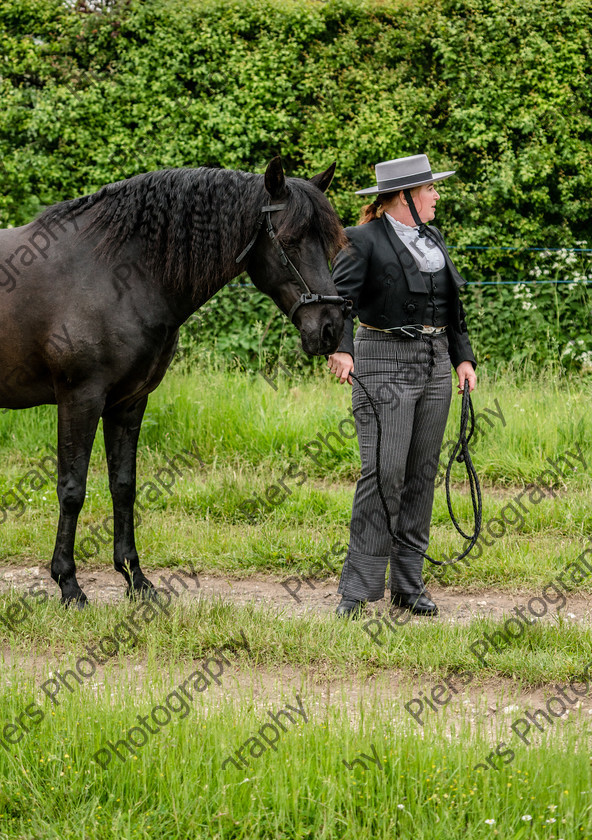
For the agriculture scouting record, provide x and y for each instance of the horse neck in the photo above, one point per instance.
(233, 216)
(218, 224)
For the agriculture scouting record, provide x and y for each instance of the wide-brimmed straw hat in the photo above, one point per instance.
(402, 174)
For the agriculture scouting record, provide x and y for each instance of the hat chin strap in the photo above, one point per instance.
(423, 227)
(414, 213)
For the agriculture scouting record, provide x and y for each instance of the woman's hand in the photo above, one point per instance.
(466, 371)
(342, 364)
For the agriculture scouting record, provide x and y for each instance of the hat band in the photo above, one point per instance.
(400, 183)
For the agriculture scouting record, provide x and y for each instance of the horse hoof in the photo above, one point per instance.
(79, 601)
(145, 591)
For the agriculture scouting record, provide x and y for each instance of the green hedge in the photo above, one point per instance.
(496, 89)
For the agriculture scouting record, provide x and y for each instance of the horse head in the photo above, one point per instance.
(289, 258)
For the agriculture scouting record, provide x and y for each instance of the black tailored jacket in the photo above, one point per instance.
(378, 273)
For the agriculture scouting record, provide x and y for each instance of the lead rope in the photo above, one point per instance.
(462, 444)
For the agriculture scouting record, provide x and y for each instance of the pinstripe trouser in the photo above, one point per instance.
(410, 380)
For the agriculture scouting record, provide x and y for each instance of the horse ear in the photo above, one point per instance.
(275, 181)
(323, 179)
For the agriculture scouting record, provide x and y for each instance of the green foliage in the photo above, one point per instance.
(544, 317)
(497, 90)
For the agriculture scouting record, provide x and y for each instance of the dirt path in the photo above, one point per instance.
(494, 701)
(107, 586)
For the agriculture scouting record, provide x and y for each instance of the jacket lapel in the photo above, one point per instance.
(456, 277)
(415, 281)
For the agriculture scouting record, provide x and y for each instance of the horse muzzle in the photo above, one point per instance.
(321, 328)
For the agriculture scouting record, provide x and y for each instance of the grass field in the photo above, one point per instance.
(240, 475)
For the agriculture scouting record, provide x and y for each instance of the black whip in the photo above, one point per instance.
(462, 444)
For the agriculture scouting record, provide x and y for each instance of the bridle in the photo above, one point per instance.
(306, 297)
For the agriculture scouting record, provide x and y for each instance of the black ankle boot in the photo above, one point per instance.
(349, 608)
(416, 604)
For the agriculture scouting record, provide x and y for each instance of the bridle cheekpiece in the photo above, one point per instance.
(306, 297)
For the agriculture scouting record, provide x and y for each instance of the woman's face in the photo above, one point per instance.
(424, 198)
(425, 202)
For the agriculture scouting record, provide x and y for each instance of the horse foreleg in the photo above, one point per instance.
(121, 429)
(78, 416)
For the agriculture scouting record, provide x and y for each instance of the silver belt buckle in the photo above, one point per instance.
(410, 334)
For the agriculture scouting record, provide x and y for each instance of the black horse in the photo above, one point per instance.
(93, 292)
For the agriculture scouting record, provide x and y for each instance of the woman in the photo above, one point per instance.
(405, 291)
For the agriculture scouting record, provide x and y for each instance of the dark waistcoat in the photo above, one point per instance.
(440, 297)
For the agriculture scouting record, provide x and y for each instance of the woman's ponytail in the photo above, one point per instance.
(371, 211)
(376, 209)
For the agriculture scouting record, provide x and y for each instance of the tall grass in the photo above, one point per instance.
(177, 785)
(238, 419)
(424, 783)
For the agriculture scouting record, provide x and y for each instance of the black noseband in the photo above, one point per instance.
(306, 297)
